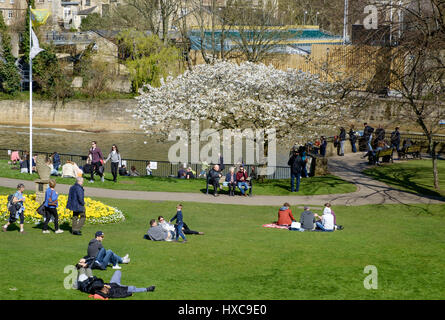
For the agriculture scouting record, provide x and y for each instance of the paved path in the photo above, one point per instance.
(348, 168)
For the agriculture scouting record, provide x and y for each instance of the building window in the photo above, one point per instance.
(10, 14)
(66, 12)
(88, 3)
(11, 1)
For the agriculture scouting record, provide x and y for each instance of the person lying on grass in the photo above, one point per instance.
(114, 289)
(88, 283)
(158, 233)
(169, 227)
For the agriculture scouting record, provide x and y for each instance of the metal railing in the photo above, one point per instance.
(164, 168)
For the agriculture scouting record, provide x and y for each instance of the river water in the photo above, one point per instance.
(134, 145)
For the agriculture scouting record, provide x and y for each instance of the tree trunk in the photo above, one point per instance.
(433, 146)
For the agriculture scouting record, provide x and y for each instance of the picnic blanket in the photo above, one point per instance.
(273, 225)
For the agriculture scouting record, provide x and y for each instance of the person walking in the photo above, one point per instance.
(352, 139)
(76, 203)
(116, 160)
(51, 204)
(17, 208)
(395, 141)
(179, 223)
(97, 160)
(296, 164)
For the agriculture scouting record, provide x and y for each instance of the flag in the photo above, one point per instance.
(35, 49)
(39, 16)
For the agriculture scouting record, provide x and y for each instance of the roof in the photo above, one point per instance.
(289, 40)
(86, 11)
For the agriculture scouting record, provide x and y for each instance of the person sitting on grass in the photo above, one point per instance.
(104, 257)
(134, 172)
(307, 219)
(327, 208)
(285, 216)
(158, 233)
(15, 157)
(326, 222)
(169, 227)
(189, 174)
(115, 289)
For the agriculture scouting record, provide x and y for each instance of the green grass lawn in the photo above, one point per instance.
(239, 259)
(309, 186)
(413, 175)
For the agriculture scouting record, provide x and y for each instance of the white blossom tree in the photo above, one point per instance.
(297, 105)
(242, 96)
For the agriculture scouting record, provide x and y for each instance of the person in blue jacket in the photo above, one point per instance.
(76, 203)
(51, 203)
(179, 223)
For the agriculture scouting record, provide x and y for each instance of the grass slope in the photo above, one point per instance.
(309, 186)
(238, 259)
(413, 175)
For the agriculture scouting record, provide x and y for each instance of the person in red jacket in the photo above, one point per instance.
(285, 216)
(241, 179)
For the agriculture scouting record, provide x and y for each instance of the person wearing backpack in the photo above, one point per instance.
(16, 208)
(296, 164)
(352, 139)
(51, 204)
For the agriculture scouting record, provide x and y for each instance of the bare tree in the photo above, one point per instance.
(410, 62)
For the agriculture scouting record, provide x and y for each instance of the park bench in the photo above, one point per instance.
(413, 151)
(223, 184)
(386, 155)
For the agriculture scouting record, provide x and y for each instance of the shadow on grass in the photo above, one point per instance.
(402, 178)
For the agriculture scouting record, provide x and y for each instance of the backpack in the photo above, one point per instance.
(370, 129)
(393, 136)
(90, 285)
(10, 204)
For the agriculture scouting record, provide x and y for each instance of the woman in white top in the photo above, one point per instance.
(327, 219)
(115, 157)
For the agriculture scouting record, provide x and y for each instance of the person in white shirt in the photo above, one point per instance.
(327, 219)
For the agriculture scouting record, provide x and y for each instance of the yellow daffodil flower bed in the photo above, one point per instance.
(96, 212)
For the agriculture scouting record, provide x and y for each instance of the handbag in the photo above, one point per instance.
(41, 210)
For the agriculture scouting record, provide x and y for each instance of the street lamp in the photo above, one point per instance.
(316, 18)
(305, 13)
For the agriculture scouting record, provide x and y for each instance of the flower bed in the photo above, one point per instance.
(96, 211)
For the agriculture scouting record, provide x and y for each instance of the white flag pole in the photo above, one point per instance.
(30, 92)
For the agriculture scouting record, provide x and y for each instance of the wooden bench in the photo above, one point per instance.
(385, 153)
(413, 151)
(223, 185)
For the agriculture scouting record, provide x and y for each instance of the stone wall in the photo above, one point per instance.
(82, 115)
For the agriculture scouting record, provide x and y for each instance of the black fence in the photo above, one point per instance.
(164, 168)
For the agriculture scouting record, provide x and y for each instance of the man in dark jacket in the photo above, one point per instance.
(352, 139)
(213, 179)
(367, 135)
(342, 140)
(102, 256)
(395, 140)
(296, 164)
(76, 203)
(114, 289)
